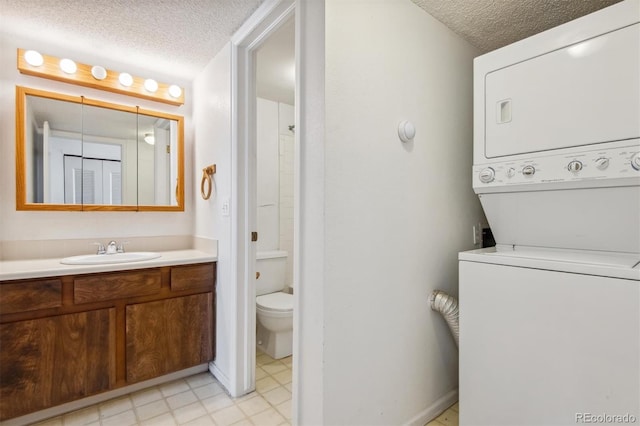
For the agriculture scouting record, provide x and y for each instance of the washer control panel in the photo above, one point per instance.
(621, 162)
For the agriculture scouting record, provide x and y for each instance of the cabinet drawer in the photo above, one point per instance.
(30, 296)
(192, 276)
(96, 288)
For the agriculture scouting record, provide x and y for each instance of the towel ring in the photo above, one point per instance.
(207, 172)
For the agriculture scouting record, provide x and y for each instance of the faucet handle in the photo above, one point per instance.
(120, 248)
(101, 249)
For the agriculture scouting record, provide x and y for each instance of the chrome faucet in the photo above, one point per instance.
(112, 247)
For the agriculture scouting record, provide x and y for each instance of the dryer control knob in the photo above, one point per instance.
(575, 166)
(635, 161)
(602, 163)
(528, 170)
(487, 175)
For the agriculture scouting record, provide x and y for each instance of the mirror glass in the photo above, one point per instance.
(91, 155)
(157, 167)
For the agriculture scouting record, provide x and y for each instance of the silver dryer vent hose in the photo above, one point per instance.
(448, 307)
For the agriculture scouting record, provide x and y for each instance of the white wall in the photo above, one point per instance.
(396, 215)
(275, 160)
(267, 165)
(146, 173)
(36, 225)
(212, 118)
(286, 117)
(309, 216)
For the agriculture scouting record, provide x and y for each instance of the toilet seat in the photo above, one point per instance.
(275, 302)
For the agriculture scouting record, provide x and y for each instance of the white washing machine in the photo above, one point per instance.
(550, 317)
(548, 338)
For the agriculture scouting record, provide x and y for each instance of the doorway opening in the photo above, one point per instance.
(275, 255)
(262, 111)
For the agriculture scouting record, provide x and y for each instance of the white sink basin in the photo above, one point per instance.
(102, 259)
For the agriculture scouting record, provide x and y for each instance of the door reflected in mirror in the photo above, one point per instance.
(74, 153)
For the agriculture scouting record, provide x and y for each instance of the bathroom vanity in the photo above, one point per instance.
(67, 337)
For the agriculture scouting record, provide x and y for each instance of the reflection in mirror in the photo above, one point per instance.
(46, 145)
(90, 155)
(157, 168)
(106, 172)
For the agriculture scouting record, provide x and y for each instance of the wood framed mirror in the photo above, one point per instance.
(75, 153)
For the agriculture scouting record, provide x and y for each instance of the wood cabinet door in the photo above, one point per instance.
(168, 335)
(50, 361)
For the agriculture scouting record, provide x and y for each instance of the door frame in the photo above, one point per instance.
(244, 43)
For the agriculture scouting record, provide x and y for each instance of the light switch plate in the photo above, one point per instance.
(225, 207)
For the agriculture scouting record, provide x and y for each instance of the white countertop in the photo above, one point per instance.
(38, 268)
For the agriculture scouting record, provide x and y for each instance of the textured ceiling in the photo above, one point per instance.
(178, 36)
(490, 24)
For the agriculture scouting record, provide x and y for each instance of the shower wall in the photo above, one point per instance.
(275, 155)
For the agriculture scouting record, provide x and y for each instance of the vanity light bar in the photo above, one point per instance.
(98, 77)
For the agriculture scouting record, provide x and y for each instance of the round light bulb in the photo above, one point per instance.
(149, 138)
(125, 79)
(98, 72)
(33, 58)
(151, 85)
(68, 66)
(175, 91)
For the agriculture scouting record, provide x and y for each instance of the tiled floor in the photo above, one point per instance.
(448, 418)
(196, 400)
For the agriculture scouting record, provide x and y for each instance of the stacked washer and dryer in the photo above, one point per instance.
(550, 317)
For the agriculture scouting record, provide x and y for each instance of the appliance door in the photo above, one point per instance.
(540, 347)
(583, 94)
(603, 219)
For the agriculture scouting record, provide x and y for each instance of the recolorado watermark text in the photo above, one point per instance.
(605, 418)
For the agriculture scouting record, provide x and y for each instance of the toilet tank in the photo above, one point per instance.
(272, 267)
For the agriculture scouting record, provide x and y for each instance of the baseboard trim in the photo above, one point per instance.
(434, 410)
(221, 377)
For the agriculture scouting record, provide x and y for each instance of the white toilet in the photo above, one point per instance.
(274, 305)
